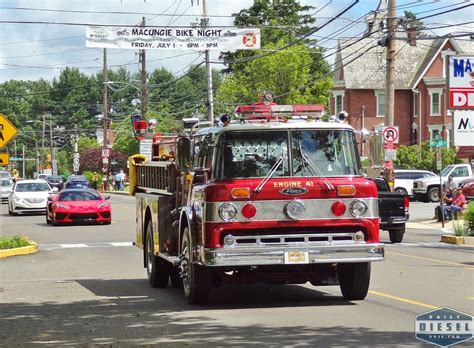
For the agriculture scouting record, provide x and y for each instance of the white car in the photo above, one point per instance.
(404, 179)
(29, 196)
(5, 187)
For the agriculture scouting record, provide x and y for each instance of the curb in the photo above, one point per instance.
(452, 239)
(29, 249)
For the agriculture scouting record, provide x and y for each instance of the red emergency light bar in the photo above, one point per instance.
(272, 111)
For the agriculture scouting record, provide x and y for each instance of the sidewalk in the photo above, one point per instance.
(432, 224)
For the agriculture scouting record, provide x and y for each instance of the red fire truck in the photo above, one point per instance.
(275, 196)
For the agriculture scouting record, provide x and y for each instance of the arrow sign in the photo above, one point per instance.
(7, 131)
(4, 158)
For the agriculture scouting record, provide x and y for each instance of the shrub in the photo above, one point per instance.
(13, 242)
(469, 219)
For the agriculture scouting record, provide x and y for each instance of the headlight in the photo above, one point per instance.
(16, 198)
(103, 205)
(358, 208)
(227, 211)
(62, 206)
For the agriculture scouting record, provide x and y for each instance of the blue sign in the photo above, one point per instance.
(443, 327)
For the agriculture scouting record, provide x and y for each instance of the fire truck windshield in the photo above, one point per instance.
(250, 154)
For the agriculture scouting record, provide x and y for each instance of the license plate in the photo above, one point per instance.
(292, 257)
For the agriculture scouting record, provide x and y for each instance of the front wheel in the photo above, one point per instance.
(401, 190)
(158, 270)
(433, 194)
(396, 235)
(354, 279)
(196, 279)
(48, 221)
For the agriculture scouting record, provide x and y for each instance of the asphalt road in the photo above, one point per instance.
(87, 286)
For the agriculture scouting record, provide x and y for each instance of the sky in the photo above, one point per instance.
(32, 51)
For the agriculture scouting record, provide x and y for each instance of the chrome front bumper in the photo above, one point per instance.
(285, 255)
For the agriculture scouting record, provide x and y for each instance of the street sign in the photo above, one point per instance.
(435, 143)
(105, 160)
(75, 167)
(76, 154)
(4, 158)
(390, 155)
(7, 131)
(54, 162)
(390, 135)
(105, 153)
(76, 161)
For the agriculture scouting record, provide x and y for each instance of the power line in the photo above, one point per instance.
(443, 12)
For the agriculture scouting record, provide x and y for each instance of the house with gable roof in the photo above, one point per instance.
(420, 82)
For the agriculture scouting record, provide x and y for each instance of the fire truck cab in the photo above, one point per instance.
(277, 196)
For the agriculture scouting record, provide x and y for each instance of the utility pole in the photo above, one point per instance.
(144, 103)
(105, 100)
(390, 80)
(51, 139)
(210, 95)
(390, 57)
(105, 111)
(23, 175)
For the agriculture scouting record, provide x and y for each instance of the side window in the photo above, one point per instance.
(402, 175)
(460, 171)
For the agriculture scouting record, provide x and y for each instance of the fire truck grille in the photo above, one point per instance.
(300, 238)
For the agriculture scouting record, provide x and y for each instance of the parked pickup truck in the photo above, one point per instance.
(427, 189)
(393, 210)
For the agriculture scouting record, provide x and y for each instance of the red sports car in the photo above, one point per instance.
(78, 205)
(468, 188)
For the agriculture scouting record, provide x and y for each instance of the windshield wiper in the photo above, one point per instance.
(314, 167)
(269, 175)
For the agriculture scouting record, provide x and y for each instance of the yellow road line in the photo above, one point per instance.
(401, 299)
(429, 259)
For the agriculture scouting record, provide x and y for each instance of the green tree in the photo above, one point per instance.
(410, 21)
(286, 73)
(284, 20)
(412, 157)
(85, 143)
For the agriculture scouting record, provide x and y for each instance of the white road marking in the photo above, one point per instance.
(121, 244)
(73, 245)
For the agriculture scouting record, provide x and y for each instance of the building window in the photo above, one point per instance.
(416, 104)
(435, 132)
(338, 101)
(435, 101)
(380, 112)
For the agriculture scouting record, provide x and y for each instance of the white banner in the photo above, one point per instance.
(461, 82)
(176, 38)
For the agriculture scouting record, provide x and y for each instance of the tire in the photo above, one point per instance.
(396, 235)
(175, 278)
(48, 221)
(354, 279)
(107, 222)
(196, 279)
(158, 270)
(10, 212)
(401, 190)
(433, 194)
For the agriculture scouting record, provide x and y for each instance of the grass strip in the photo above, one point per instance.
(13, 242)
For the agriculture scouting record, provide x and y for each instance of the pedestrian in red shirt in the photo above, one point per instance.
(458, 204)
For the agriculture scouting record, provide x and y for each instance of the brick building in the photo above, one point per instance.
(420, 82)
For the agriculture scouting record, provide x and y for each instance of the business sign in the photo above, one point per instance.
(146, 146)
(461, 82)
(463, 126)
(443, 327)
(4, 158)
(176, 38)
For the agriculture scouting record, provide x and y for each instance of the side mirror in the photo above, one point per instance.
(49, 199)
(201, 176)
(184, 153)
(106, 197)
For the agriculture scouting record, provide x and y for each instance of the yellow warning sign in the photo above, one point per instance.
(7, 131)
(4, 159)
